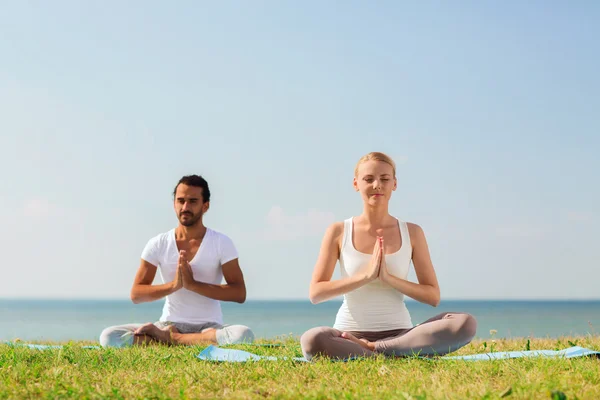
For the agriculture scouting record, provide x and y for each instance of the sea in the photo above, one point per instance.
(66, 320)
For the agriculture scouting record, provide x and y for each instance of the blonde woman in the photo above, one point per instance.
(374, 250)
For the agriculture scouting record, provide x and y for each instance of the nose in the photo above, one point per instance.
(376, 184)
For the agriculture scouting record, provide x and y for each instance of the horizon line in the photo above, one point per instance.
(297, 299)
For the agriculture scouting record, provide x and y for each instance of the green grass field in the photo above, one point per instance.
(173, 372)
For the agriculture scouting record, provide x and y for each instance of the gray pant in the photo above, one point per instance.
(122, 335)
(439, 335)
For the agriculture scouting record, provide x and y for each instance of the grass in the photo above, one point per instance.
(162, 372)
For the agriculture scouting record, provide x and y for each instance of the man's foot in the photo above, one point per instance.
(153, 331)
(363, 342)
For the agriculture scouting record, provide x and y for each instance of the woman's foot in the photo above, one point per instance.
(363, 342)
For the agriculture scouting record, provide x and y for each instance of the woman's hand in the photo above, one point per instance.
(362, 342)
(372, 270)
(384, 274)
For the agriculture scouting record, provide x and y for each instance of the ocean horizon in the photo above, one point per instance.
(83, 319)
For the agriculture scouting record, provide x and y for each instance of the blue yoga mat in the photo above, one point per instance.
(213, 353)
(571, 352)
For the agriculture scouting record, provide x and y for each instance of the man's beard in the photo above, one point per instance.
(192, 219)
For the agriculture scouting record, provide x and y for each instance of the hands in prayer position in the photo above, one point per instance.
(184, 276)
(377, 268)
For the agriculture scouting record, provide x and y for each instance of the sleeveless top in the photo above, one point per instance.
(375, 306)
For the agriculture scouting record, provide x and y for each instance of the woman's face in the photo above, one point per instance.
(375, 181)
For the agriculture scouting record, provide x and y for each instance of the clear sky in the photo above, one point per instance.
(491, 110)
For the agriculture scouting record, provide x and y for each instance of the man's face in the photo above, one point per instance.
(189, 204)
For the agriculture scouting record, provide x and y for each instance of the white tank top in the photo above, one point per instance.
(184, 305)
(375, 306)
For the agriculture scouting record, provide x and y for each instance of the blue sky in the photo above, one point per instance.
(490, 110)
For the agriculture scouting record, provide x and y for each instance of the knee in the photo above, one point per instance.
(236, 334)
(115, 337)
(245, 335)
(467, 327)
(106, 337)
(312, 341)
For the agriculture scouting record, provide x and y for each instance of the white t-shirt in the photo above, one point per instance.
(184, 305)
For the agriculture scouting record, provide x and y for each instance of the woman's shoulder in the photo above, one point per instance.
(410, 225)
(415, 231)
(335, 229)
(334, 236)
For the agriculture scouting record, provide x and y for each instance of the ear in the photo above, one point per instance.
(205, 207)
(355, 184)
(395, 184)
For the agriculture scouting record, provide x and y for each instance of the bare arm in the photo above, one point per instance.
(233, 290)
(322, 288)
(143, 290)
(427, 290)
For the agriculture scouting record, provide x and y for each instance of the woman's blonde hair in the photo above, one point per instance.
(376, 156)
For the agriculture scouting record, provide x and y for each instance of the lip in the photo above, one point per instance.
(377, 194)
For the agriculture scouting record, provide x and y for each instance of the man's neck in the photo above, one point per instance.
(197, 231)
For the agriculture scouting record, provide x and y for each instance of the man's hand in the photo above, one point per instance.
(185, 270)
(177, 282)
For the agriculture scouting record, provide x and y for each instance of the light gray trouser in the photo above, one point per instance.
(442, 334)
(122, 335)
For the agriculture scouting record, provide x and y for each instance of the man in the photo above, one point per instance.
(193, 261)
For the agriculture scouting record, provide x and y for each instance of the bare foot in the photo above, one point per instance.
(363, 342)
(160, 335)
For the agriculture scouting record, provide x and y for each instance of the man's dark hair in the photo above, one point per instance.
(197, 181)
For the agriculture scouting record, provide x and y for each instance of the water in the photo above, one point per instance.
(61, 320)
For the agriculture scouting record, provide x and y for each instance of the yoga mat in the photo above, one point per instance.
(571, 352)
(213, 353)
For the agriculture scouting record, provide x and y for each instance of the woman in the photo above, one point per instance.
(375, 250)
